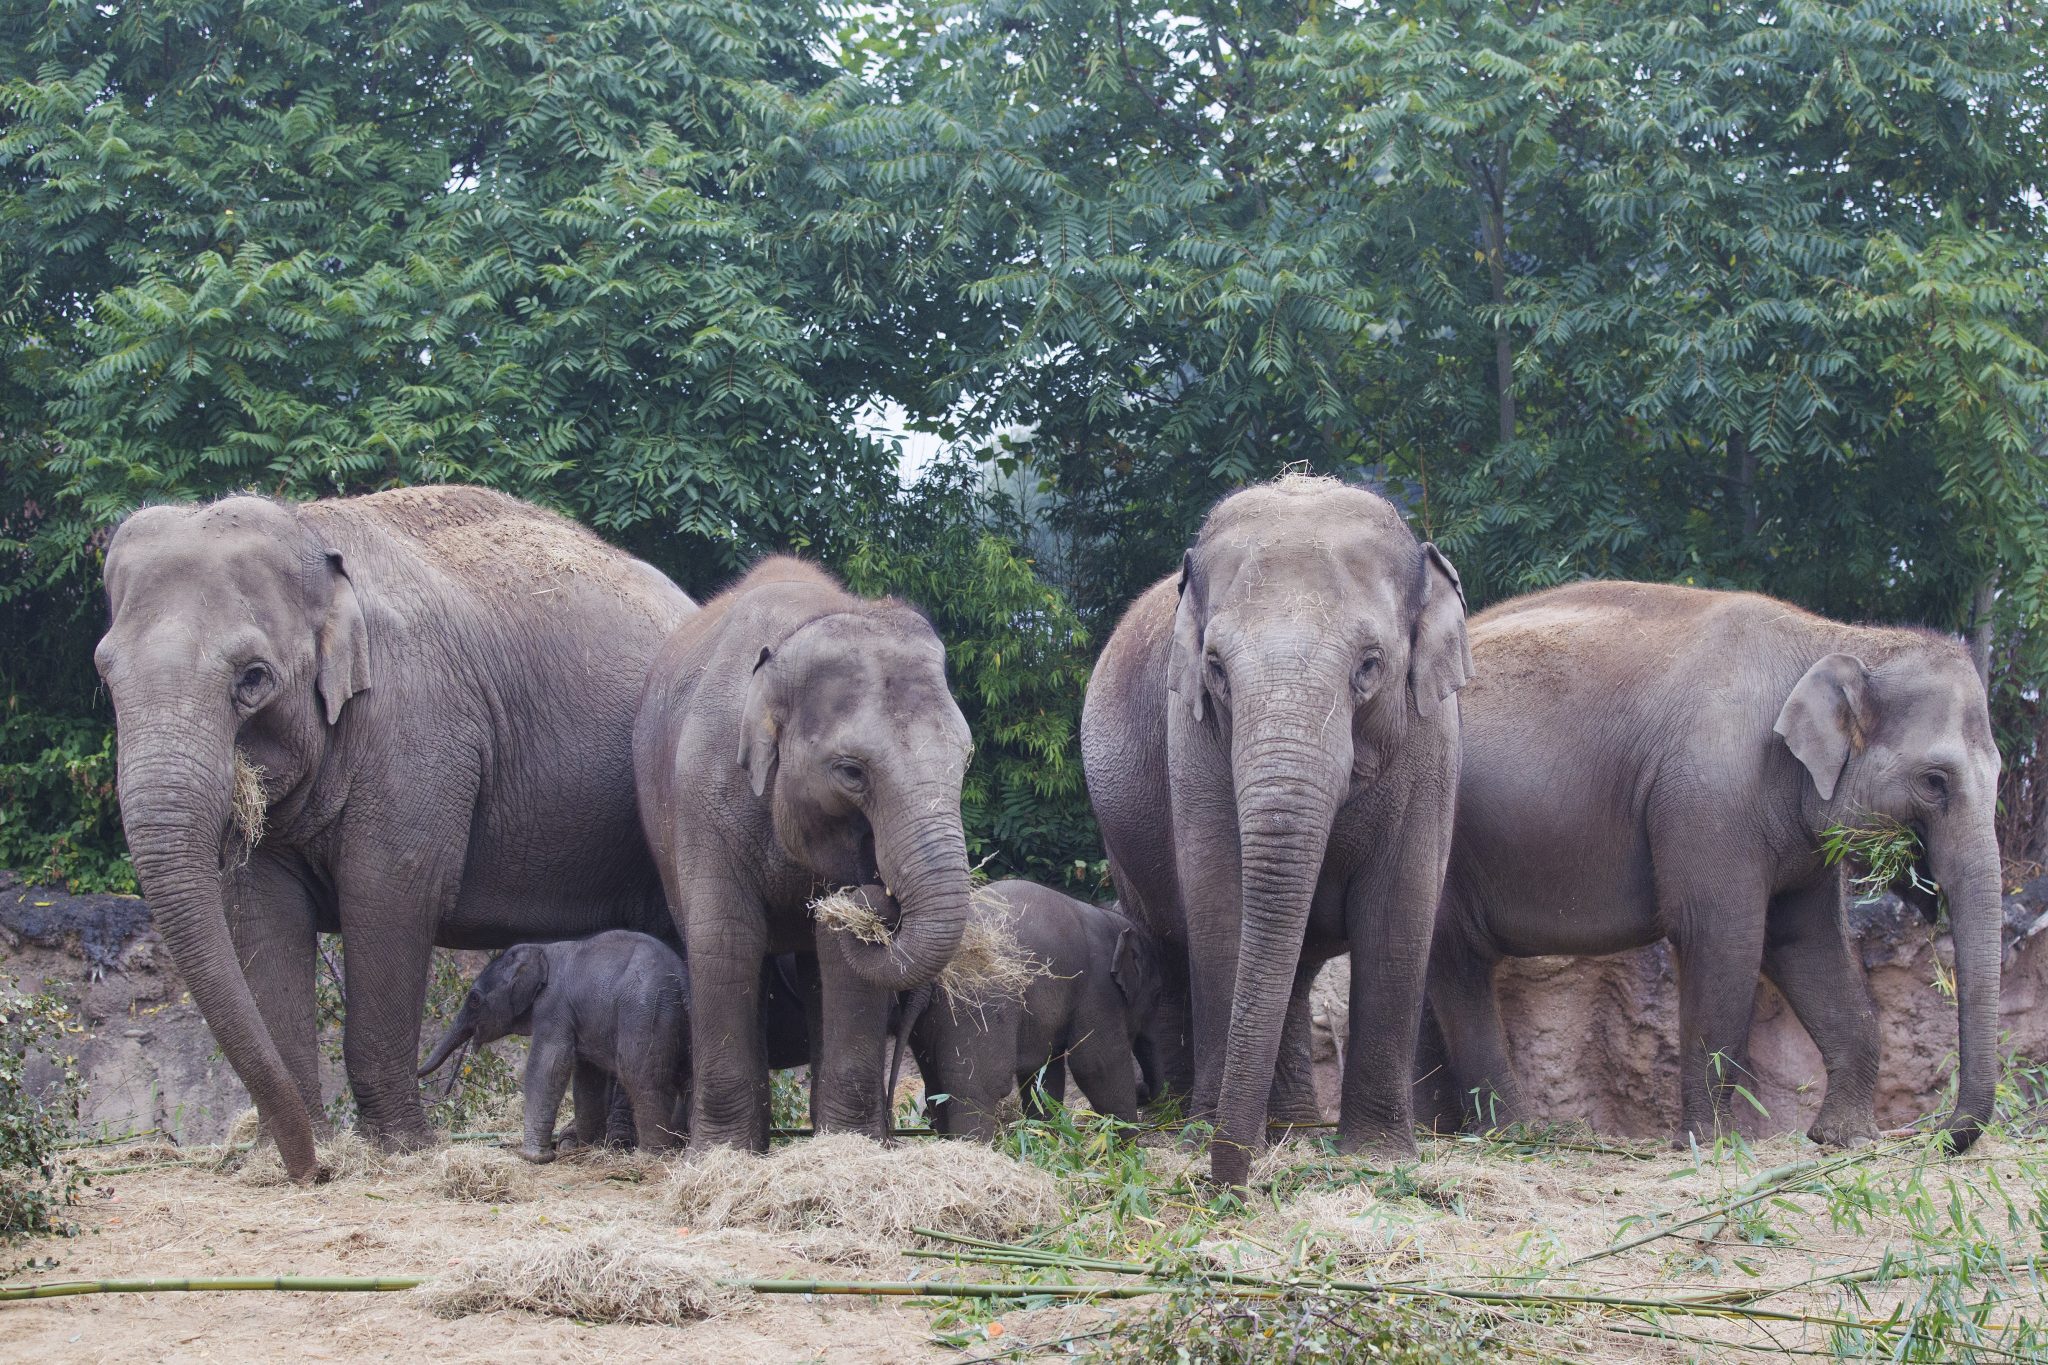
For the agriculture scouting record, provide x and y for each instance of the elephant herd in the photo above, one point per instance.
(441, 716)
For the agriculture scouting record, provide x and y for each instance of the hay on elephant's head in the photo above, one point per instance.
(476, 1174)
(600, 1276)
(990, 967)
(1295, 478)
(841, 1181)
(246, 807)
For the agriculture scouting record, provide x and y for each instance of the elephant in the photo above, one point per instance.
(422, 701)
(1270, 740)
(795, 737)
(1647, 761)
(614, 1006)
(1092, 1008)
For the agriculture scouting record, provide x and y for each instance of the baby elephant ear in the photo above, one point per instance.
(1826, 718)
(1126, 969)
(758, 726)
(525, 981)
(342, 643)
(1184, 665)
(1439, 658)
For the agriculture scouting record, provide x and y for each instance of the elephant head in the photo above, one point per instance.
(1315, 634)
(499, 1003)
(850, 723)
(1907, 737)
(234, 632)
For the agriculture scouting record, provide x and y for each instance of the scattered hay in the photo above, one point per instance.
(856, 1184)
(990, 967)
(345, 1157)
(246, 809)
(1348, 1230)
(475, 1174)
(598, 1276)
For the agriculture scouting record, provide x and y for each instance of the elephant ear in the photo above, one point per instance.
(1439, 657)
(1826, 718)
(1126, 965)
(1184, 664)
(342, 643)
(521, 975)
(758, 726)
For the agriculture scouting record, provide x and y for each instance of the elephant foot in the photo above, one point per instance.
(1378, 1144)
(397, 1141)
(538, 1156)
(1844, 1133)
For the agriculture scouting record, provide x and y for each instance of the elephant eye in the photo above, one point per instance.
(1934, 785)
(1219, 679)
(849, 774)
(1367, 675)
(249, 687)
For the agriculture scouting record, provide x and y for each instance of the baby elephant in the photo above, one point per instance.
(1092, 1008)
(613, 1005)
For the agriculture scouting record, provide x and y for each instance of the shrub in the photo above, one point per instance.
(34, 1181)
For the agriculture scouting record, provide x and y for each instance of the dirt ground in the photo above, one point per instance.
(1468, 1214)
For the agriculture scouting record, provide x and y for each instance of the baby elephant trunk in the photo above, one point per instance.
(463, 1029)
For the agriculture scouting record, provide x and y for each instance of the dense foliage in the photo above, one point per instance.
(1733, 293)
(34, 1181)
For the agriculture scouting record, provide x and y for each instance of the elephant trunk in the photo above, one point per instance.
(460, 1032)
(923, 859)
(1966, 863)
(1291, 769)
(176, 776)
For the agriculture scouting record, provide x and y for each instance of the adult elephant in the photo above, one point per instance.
(434, 689)
(795, 737)
(1647, 761)
(1271, 745)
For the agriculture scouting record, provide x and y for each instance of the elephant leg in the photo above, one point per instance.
(1467, 1017)
(1390, 917)
(389, 958)
(1102, 1068)
(1293, 1097)
(591, 1088)
(1212, 890)
(550, 1063)
(811, 988)
(1043, 1087)
(272, 921)
(1172, 1045)
(975, 1083)
(650, 1081)
(1808, 957)
(1715, 917)
(847, 1084)
(726, 936)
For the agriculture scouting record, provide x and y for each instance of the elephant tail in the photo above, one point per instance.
(912, 1005)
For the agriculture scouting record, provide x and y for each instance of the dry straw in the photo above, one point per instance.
(990, 967)
(600, 1276)
(473, 1174)
(246, 810)
(847, 1182)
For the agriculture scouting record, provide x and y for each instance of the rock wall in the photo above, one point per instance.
(1596, 1039)
(146, 1055)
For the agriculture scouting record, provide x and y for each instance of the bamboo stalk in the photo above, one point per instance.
(323, 1284)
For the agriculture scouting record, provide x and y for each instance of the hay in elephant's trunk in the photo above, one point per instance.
(603, 1275)
(246, 807)
(990, 967)
(845, 1182)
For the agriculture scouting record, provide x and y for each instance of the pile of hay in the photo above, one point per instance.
(989, 968)
(344, 1157)
(847, 1182)
(597, 1276)
(475, 1174)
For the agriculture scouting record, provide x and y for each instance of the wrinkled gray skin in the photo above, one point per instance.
(793, 738)
(1646, 762)
(439, 686)
(1271, 741)
(1092, 1011)
(615, 1005)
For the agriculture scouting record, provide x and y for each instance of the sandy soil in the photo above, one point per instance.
(1467, 1214)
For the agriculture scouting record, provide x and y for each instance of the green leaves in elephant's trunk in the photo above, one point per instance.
(1963, 856)
(923, 863)
(177, 780)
